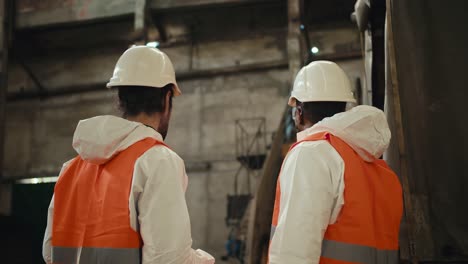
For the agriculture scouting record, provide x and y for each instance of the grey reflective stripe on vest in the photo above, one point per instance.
(68, 255)
(357, 253)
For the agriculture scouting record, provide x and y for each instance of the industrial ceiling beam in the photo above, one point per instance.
(51, 12)
(183, 76)
(196, 74)
(30, 14)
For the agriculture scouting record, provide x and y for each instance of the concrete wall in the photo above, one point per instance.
(202, 130)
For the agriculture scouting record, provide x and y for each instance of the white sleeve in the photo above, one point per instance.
(309, 183)
(162, 212)
(47, 242)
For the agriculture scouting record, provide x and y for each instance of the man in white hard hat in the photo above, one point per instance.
(336, 201)
(121, 200)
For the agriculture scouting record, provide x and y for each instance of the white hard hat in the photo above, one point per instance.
(321, 81)
(144, 66)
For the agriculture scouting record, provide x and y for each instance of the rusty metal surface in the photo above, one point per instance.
(396, 153)
(430, 43)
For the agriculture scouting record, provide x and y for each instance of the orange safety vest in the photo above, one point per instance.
(367, 228)
(91, 222)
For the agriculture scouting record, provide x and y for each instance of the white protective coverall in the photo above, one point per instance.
(312, 182)
(158, 210)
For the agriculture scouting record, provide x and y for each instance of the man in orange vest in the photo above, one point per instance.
(121, 200)
(336, 201)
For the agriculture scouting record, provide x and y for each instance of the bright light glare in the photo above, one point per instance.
(38, 180)
(315, 50)
(153, 44)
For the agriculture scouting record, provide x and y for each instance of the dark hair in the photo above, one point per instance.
(134, 100)
(316, 111)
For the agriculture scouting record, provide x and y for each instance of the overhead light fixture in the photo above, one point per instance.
(153, 44)
(314, 50)
(38, 180)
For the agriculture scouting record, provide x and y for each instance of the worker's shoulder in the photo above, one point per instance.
(312, 146)
(161, 152)
(320, 149)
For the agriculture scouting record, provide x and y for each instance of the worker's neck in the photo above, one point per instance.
(148, 120)
(307, 124)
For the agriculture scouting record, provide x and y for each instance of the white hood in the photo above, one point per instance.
(364, 128)
(100, 138)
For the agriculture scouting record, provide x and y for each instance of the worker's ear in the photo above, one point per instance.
(168, 102)
(300, 113)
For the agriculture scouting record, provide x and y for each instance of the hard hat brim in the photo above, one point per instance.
(177, 90)
(293, 99)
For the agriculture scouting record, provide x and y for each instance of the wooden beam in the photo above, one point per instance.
(30, 13)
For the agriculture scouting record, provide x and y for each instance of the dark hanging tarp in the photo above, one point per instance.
(430, 39)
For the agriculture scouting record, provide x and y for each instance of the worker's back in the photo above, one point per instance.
(91, 216)
(336, 201)
(122, 200)
(367, 228)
